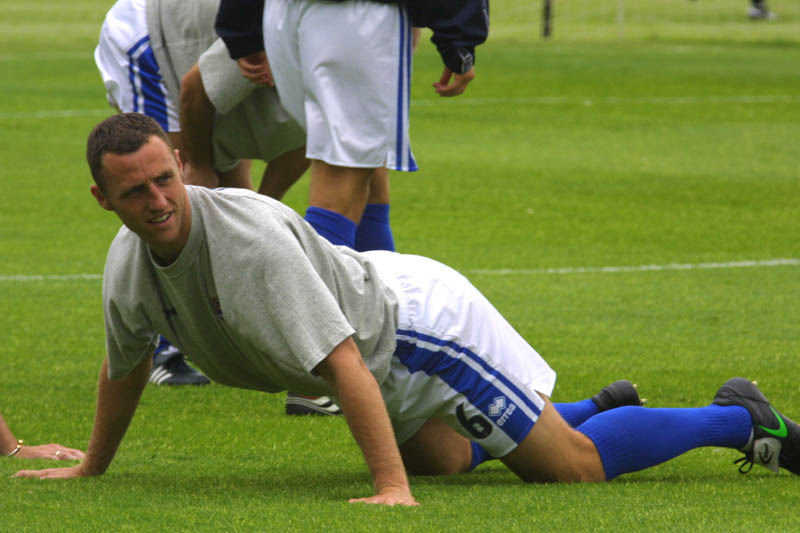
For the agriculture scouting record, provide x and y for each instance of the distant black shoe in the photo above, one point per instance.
(775, 441)
(172, 369)
(618, 394)
(297, 404)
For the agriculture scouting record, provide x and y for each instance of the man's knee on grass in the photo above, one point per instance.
(554, 452)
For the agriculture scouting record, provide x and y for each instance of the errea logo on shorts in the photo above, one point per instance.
(500, 408)
(497, 406)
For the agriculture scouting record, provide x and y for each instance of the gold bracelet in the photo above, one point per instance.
(17, 449)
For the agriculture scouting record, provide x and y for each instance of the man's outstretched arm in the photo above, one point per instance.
(363, 408)
(116, 404)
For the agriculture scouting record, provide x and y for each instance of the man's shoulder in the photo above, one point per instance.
(238, 219)
(235, 199)
(125, 247)
(127, 261)
(124, 243)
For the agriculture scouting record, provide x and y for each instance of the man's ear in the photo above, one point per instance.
(100, 197)
(177, 155)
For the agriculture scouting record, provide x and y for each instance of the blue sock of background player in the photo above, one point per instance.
(373, 232)
(345, 192)
(338, 229)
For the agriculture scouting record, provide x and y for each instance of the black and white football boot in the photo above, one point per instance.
(775, 439)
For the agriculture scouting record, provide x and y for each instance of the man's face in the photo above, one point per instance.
(146, 191)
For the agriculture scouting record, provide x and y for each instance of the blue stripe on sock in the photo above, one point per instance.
(629, 439)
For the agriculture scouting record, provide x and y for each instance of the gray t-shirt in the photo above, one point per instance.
(256, 297)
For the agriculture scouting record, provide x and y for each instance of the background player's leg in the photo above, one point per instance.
(282, 172)
(374, 230)
(340, 189)
(337, 197)
(238, 177)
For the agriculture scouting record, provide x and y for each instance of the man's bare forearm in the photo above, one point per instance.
(363, 407)
(369, 423)
(116, 403)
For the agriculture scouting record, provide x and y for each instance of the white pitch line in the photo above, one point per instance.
(543, 100)
(53, 55)
(635, 268)
(53, 277)
(55, 113)
(506, 271)
(588, 100)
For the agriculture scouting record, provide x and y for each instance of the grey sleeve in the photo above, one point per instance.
(130, 333)
(130, 336)
(222, 80)
(276, 294)
(308, 315)
(126, 348)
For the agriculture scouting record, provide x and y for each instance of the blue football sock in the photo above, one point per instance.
(163, 344)
(337, 228)
(576, 413)
(374, 231)
(633, 438)
(164, 351)
(479, 455)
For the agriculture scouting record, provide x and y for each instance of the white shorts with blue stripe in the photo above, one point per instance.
(129, 68)
(458, 359)
(343, 70)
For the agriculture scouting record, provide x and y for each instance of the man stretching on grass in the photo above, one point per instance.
(420, 362)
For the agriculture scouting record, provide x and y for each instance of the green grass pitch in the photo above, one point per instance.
(664, 137)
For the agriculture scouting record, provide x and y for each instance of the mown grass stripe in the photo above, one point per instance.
(637, 268)
(506, 271)
(543, 100)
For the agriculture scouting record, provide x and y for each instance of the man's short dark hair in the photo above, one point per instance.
(124, 133)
